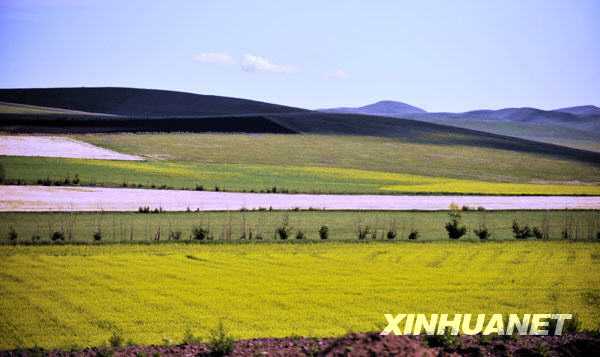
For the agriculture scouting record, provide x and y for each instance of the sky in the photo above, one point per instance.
(438, 55)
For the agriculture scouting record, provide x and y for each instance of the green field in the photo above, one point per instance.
(354, 152)
(313, 164)
(61, 296)
(261, 178)
(230, 226)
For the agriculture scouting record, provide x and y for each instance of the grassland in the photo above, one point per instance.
(260, 178)
(60, 296)
(343, 225)
(355, 152)
(548, 132)
(313, 164)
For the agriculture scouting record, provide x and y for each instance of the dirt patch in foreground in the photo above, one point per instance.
(371, 344)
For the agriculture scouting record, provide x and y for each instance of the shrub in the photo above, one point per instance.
(363, 232)
(466, 208)
(538, 233)
(115, 340)
(391, 234)
(481, 208)
(566, 234)
(45, 182)
(57, 236)
(300, 235)
(283, 232)
(598, 236)
(482, 232)
(174, 235)
(200, 233)
(220, 342)
(35, 238)
(199, 188)
(324, 232)
(2, 173)
(144, 209)
(98, 235)
(521, 232)
(454, 228)
(76, 180)
(446, 340)
(374, 234)
(12, 234)
(413, 235)
(190, 339)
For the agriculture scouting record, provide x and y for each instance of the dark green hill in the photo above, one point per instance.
(138, 102)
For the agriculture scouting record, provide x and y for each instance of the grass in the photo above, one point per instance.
(60, 296)
(548, 132)
(15, 108)
(342, 225)
(260, 177)
(378, 154)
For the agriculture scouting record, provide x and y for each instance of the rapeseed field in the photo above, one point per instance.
(65, 295)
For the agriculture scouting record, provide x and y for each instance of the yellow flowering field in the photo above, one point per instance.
(67, 295)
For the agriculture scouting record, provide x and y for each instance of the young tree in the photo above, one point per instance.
(455, 228)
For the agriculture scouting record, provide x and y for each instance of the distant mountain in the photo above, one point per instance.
(138, 102)
(549, 126)
(581, 110)
(520, 114)
(577, 127)
(383, 108)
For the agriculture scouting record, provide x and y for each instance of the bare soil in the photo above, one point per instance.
(362, 344)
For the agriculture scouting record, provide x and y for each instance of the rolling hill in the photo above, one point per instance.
(581, 110)
(125, 109)
(576, 127)
(138, 102)
(415, 131)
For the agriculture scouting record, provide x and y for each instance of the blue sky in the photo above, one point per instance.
(439, 55)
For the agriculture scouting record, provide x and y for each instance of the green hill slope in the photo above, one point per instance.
(138, 102)
(23, 109)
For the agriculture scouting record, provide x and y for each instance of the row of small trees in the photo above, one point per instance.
(454, 227)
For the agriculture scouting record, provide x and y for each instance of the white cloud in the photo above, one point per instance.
(253, 63)
(214, 57)
(338, 74)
